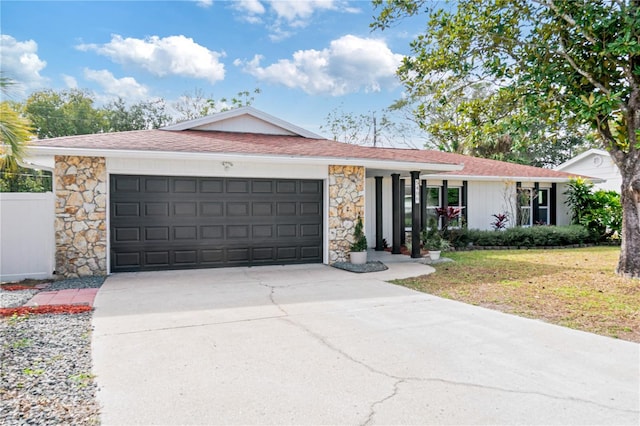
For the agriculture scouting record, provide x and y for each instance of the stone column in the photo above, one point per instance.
(346, 203)
(81, 222)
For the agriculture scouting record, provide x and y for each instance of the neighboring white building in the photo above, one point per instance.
(596, 163)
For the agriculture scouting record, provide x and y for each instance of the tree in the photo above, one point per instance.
(140, 116)
(15, 131)
(368, 129)
(567, 61)
(196, 105)
(64, 113)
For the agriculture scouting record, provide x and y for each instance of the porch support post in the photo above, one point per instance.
(379, 244)
(396, 218)
(403, 212)
(445, 203)
(465, 199)
(536, 204)
(552, 204)
(415, 214)
(423, 205)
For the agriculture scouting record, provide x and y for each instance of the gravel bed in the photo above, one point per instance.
(12, 299)
(45, 364)
(84, 282)
(371, 266)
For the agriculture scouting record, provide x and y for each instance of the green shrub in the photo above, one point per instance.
(536, 236)
(600, 211)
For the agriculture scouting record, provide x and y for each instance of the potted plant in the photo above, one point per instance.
(436, 244)
(358, 254)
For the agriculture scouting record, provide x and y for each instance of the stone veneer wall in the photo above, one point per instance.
(346, 203)
(81, 221)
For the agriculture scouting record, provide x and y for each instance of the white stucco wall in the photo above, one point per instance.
(27, 246)
(485, 199)
(215, 168)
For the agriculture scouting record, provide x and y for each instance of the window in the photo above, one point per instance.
(525, 206)
(526, 197)
(543, 207)
(454, 199)
(432, 202)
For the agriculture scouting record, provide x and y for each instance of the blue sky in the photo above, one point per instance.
(308, 57)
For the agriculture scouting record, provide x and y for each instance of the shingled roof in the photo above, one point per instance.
(195, 141)
(249, 132)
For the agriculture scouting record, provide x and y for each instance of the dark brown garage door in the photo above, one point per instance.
(171, 222)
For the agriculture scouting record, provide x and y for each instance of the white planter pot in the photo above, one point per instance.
(358, 257)
(434, 254)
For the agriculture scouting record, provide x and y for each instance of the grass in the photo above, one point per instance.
(575, 288)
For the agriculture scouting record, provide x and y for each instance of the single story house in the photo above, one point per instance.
(596, 163)
(243, 188)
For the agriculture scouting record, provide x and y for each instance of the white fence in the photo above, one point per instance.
(27, 236)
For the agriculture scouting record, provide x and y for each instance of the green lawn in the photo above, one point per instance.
(575, 288)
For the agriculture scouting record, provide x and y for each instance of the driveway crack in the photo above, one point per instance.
(372, 408)
(272, 297)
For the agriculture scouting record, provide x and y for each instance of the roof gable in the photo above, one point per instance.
(589, 153)
(244, 120)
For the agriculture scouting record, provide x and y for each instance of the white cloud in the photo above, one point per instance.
(253, 7)
(20, 62)
(281, 16)
(349, 65)
(173, 55)
(70, 81)
(204, 3)
(296, 11)
(127, 87)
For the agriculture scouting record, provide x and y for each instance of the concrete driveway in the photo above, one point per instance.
(315, 345)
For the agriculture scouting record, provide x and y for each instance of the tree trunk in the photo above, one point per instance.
(629, 262)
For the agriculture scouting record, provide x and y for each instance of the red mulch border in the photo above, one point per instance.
(44, 309)
(17, 287)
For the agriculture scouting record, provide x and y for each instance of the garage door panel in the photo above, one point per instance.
(156, 209)
(309, 252)
(188, 209)
(238, 209)
(126, 184)
(212, 232)
(156, 233)
(126, 234)
(238, 186)
(126, 209)
(311, 187)
(156, 258)
(185, 185)
(212, 208)
(211, 185)
(286, 208)
(156, 185)
(164, 222)
(309, 208)
(262, 187)
(262, 208)
(127, 259)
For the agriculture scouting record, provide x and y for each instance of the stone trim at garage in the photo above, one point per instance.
(346, 203)
(81, 216)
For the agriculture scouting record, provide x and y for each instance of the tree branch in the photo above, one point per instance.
(580, 71)
(567, 18)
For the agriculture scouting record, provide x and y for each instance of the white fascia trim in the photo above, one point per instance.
(186, 125)
(506, 178)
(579, 157)
(172, 155)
